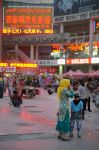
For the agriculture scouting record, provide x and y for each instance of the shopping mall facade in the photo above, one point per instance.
(67, 37)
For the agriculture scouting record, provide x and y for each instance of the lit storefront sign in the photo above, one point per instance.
(27, 20)
(78, 61)
(61, 61)
(8, 69)
(96, 26)
(3, 64)
(19, 65)
(95, 60)
(47, 63)
(48, 70)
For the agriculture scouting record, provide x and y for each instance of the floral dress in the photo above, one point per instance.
(63, 122)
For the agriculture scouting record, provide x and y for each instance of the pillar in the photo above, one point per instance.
(16, 50)
(91, 31)
(61, 47)
(60, 71)
(36, 52)
(90, 68)
(61, 28)
(32, 52)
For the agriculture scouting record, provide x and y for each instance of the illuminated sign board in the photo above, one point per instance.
(23, 65)
(56, 48)
(47, 62)
(48, 69)
(95, 60)
(78, 61)
(96, 26)
(27, 20)
(61, 61)
(19, 65)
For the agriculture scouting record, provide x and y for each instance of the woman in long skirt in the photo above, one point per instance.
(63, 122)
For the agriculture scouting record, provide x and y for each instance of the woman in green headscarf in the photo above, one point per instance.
(63, 123)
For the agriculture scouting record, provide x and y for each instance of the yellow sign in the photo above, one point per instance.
(25, 31)
(20, 65)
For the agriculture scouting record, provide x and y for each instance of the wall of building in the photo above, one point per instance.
(1, 22)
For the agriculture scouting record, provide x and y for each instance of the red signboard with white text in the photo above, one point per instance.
(48, 70)
(78, 61)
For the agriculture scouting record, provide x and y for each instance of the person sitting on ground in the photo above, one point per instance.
(16, 99)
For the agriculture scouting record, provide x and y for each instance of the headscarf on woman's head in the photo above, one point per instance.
(64, 83)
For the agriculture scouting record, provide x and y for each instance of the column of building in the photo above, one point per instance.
(61, 66)
(91, 31)
(32, 52)
(36, 57)
(16, 50)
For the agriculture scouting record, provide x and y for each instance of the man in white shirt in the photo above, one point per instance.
(82, 93)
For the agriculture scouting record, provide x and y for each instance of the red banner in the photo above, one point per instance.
(78, 61)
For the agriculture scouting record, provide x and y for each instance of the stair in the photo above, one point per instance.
(25, 58)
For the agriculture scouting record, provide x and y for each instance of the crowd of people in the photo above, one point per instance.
(29, 86)
(80, 90)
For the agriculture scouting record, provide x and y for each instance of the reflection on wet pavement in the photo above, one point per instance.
(36, 118)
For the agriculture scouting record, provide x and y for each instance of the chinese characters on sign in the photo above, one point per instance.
(48, 70)
(47, 62)
(80, 16)
(25, 31)
(78, 61)
(95, 60)
(27, 20)
(20, 65)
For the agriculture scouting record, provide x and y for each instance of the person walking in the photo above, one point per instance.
(76, 115)
(63, 122)
(88, 97)
(82, 91)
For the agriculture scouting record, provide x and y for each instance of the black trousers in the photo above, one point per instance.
(87, 103)
(83, 111)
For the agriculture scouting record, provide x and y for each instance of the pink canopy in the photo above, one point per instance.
(89, 74)
(95, 74)
(78, 74)
(68, 74)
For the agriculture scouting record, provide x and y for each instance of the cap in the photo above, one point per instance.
(76, 95)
